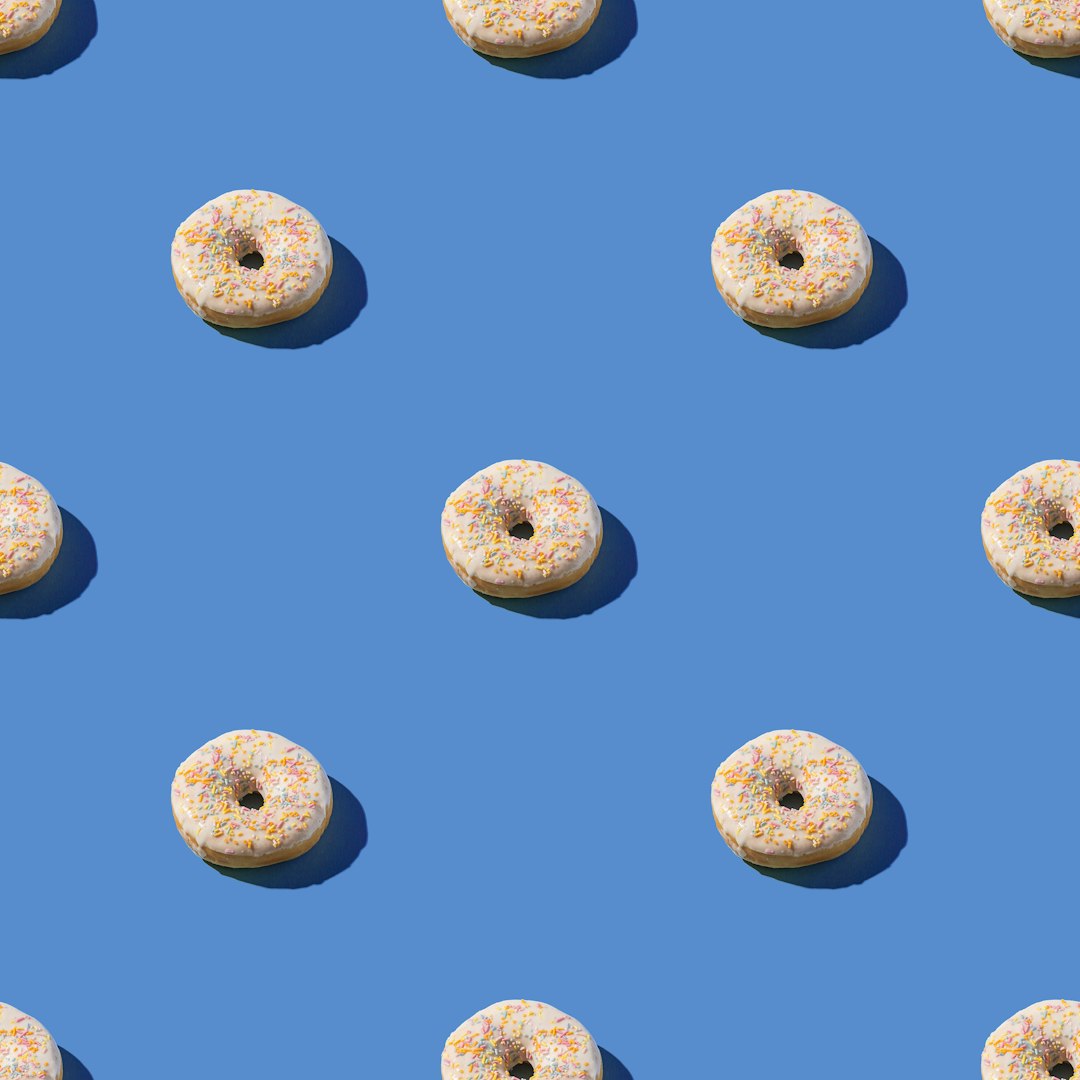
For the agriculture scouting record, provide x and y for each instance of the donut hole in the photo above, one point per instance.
(252, 260)
(524, 1069)
(1062, 1069)
(522, 530)
(793, 260)
(253, 800)
(1063, 530)
(792, 800)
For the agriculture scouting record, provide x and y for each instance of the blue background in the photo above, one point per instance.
(522, 791)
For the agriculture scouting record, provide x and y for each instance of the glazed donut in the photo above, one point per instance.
(513, 1033)
(1037, 27)
(1034, 1041)
(478, 517)
(209, 787)
(24, 22)
(516, 28)
(748, 246)
(31, 530)
(758, 827)
(26, 1048)
(1016, 524)
(208, 246)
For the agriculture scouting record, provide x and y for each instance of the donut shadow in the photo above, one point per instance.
(345, 837)
(1066, 65)
(1069, 605)
(74, 1069)
(67, 579)
(614, 1069)
(605, 581)
(345, 297)
(75, 27)
(885, 837)
(615, 27)
(885, 297)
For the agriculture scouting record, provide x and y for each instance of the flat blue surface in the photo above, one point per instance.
(792, 538)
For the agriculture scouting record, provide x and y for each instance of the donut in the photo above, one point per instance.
(1016, 524)
(207, 250)
(516, 28)
(513, 1033)
(837, 799)
(27, 1050)
(837, 260)
(211, 786)
(1037, 27)
(24, 22)
(1034, 1041)
(31, 530)
(557, 521)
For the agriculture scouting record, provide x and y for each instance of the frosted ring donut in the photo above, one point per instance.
(31, 530)
(512, 1033)
(749, 246)
(24, 22)
(558, 524)
(26, 1048)
(207, 250)
(251, 798)
(1016, 524)
(1036, 27)
(1034, 1041)
(837, 799)
(519, 28)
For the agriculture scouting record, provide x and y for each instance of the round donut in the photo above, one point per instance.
(31, 530)
(758, 827)
(1016, 524)
(748, 246)
(1037, 27)
(26, 1048)
(209, 786)
(1034, 1041)
(208, 246)
(512, 1033)
(516, 28)
(478, 517)
(24, 22)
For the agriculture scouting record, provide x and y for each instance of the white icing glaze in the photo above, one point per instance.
(748, 787)
(27, 1050)
(509, 1033)
(1031, 1043)
(519, 23)
(1016, 523)
(1047, 25)
(21, 20)
(209, 245)
(479, 514)
(208, 786)
(31, 529)
(749, 245)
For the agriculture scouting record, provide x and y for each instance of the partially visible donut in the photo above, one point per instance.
(748, 249)
(31, 530)
(750, 787)
(210, 787)
(1016, 529)
(480, 518)
(520, 28)
(1033, 1041)
(24, 22)
(27, 1050)
(208, 249)
(1037, 27)
(514, 1033)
